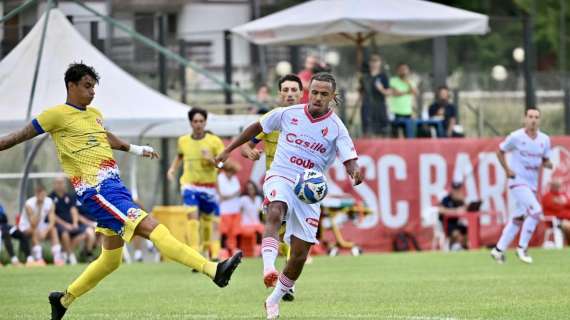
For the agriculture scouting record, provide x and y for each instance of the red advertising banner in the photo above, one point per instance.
(405, 179)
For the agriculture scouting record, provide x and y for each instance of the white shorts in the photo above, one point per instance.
(25, 225)
(526, 203)
(302, 219)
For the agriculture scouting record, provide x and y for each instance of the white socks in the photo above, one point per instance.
(283, 286)
(269, 251)
(509, 233)
(37, 252)
(56, 252)
(528, 228)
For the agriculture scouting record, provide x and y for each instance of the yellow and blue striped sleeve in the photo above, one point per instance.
(47, 121)
(258, 138)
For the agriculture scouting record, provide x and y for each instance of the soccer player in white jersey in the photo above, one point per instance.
(530, 150)
(311, 137)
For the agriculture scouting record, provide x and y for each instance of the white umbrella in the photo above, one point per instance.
(349, 22)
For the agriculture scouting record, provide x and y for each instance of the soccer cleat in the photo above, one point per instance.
(498, 255)
(270, 278)
(523, 256)
(225, 269)
(272, 311)
(289, 295)
(57, 309)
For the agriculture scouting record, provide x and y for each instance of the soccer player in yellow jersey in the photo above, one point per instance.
(290, 93)
(84, 148)
(198, 182)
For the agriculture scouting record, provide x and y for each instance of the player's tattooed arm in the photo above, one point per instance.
(250, 132)
(17, 137)
(353, 170)
(117, 143)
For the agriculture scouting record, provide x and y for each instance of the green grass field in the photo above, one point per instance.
(416, 286)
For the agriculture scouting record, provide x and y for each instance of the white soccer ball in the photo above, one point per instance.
(311, 186)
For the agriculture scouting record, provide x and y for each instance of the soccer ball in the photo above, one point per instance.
(311, 186)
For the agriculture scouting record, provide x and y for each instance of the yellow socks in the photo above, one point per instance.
(284, 250)
(177, 251)
(193, 235)
(67, 299)
(215, 247)
(108, 261)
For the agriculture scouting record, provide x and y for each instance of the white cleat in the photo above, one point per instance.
(272, 311)
(498, 256)
(523, 256)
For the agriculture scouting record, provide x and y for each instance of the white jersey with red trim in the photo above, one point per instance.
(306, 142)
(527, 155)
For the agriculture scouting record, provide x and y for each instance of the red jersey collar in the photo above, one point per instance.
(321, 118)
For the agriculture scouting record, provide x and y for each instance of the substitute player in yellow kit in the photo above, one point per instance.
(84, 149)
(290, 93)
(198, 182)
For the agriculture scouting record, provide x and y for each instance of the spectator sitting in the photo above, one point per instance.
(251, 227)
(455, 230)
(375, 88)
(311, 62)
(8, 232)
(229, 190)
(557, 203)
(70, 231)
(401, 101)
(442, 109)
(37, 222)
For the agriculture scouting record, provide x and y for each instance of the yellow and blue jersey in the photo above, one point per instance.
(81, 142)
(198, 170)
(86, 157)
(270, 145)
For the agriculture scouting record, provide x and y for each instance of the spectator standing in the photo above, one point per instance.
(251, 228)
(38, 223)
(311, 62)
(402, 94)
(442, 109)
(264, 97)
(229, 190)
(455, 230)
(69, 230)
(375, 89)
(8, 232)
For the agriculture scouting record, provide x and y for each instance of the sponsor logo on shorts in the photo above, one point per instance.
(305, 163)
(305, 143)
(313, 222)
(133, 214)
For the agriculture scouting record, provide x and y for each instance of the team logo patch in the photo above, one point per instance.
(133, 214)
(325, 131)
(99, 121)
(312, 222)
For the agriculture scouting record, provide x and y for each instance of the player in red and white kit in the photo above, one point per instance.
(530, 150)
(311, 137)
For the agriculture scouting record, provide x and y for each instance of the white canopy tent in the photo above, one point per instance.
(129, 107)
(344, 22)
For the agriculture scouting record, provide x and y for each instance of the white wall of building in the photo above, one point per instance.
(207, 22)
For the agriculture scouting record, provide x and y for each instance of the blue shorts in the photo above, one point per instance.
(205, 200)
(113, 209)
